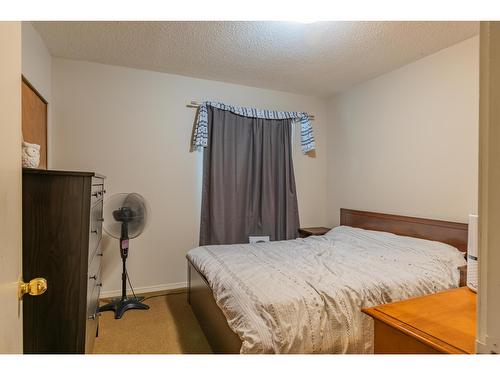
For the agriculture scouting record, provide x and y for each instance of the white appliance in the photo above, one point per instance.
(472, 253)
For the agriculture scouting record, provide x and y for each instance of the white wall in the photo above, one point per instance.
(407, 142)
(37, 69)
(134, 127)
(36, 60)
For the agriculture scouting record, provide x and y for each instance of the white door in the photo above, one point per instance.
(488, 337)
(11, 327)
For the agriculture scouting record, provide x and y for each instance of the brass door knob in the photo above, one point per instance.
(35, 287)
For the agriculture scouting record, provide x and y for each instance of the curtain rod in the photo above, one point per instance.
(195, 104)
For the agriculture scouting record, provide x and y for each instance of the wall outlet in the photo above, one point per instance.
(258, 239)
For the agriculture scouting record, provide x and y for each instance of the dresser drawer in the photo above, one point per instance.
(97, 193)
(92, 319)
(98, 180)
(93, 304)
(389, 340)
(95, 228)
(94, 275)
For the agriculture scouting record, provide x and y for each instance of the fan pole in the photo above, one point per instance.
(124, 303)
(124, 253)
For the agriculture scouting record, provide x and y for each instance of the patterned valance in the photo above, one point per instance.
(200, 137)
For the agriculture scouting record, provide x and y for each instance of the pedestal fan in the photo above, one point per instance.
(125, 217)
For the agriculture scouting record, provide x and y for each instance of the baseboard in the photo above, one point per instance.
(146, 289)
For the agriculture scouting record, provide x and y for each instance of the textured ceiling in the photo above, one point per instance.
(319, 58)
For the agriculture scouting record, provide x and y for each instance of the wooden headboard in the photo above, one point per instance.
(454, 234)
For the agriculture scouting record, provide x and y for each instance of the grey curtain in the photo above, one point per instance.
(248, 180)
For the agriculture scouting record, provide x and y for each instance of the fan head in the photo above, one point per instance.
(129, 208)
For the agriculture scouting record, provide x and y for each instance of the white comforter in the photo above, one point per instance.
(305, 295)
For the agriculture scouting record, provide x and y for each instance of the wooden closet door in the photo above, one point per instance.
(34, 111)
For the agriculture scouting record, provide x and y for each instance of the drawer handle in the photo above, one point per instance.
(96, 194)
(99, 284)
(94, 231)
(100, 219)
(100, 254)
(93, 277)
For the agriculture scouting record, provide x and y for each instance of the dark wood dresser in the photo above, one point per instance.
(62, 227)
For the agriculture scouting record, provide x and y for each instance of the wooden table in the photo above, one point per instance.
(444, 322)
(313, 231)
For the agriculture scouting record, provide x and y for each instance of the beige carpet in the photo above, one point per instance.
(169, 327)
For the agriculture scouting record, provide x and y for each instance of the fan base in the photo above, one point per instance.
(119, 306)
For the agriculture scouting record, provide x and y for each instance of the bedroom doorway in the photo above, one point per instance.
(488, 334)
(11, 340)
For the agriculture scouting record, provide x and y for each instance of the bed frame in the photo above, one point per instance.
(213, 322)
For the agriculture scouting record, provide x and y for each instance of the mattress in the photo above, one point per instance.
(306, 295)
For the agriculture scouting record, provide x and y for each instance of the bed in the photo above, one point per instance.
(306, 295)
